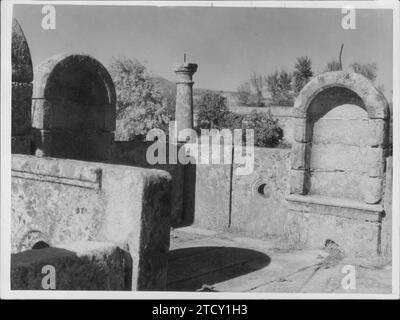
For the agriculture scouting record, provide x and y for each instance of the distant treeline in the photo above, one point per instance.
(282, 87)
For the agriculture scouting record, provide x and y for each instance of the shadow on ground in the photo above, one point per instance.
(190, 269)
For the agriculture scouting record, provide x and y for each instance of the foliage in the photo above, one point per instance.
(267, 132)
(279, 85)
(256, 82)
(244, 92)
(213, 113)
(302, 73)
(333, 66)
(140, 105)
(368, 70)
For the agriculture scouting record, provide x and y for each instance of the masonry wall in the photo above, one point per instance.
(133, 153)
(21, 95)
(255, 205)
(252, 204)
(60, 201)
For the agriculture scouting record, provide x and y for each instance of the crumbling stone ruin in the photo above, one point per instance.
(93, 204)
(102, 219)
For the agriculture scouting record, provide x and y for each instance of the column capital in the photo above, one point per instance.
(186, 68)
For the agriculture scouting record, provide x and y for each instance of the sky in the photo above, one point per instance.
(227, 43)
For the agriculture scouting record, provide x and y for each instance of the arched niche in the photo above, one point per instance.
(73, 109)
(340, 139)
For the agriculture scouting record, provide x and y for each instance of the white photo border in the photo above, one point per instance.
(5, 222)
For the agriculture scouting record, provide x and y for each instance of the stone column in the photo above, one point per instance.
(184, 95)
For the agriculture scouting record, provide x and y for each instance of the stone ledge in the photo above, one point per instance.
(346, 208)
(52, 170)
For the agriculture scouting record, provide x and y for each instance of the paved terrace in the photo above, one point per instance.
(202, 260)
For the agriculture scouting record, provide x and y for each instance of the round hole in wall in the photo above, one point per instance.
(260, 189)
(40, 245)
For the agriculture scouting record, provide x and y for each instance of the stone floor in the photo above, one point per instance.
(202, 260)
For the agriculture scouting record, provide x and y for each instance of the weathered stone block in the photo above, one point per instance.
(42, 111)
(258, 199)
(387, 203)
(78, 266)
(350, 131)
(207, 195)
(375, 162)
(134, 153)
(337, 184)
(20, 56)
(338, 157)
(127, 206)
(299, 182)
(372, 189)
(311, 229)
(300, 156)
(302, 130)
(21, 108)
(21, 144)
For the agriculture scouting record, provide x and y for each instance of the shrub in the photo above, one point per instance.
(213, 113)
(267, 132)
(244, 93)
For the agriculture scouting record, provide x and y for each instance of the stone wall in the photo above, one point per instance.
(251, 204)
(258, 200)
(60, 201)
(133, 153)
(22, 76)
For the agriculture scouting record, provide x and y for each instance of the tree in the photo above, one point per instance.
(139, 103)
(368, 70)
(212, 111)
(333, 66)
(244, 92)
(279, 85)
(256, 82)
(302, 73)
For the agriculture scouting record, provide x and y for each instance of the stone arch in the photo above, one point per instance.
(321, 95)
(73, 108)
